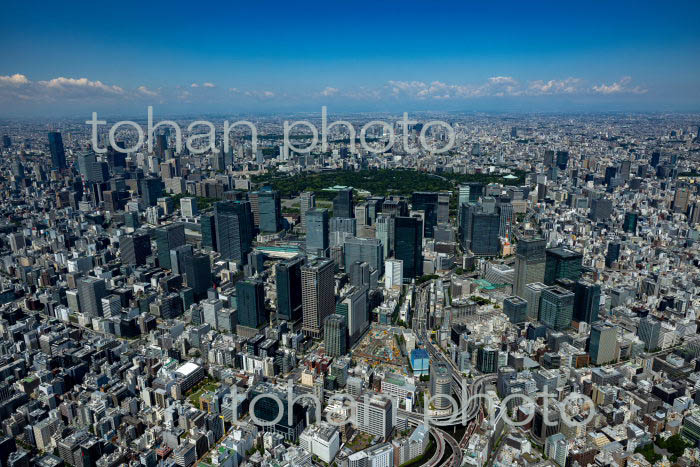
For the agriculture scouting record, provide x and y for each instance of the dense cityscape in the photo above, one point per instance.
(154, 302)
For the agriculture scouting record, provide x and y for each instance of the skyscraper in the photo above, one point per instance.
(151, 190)
(613, 253)
(168, 238)
(603, 344)
(556, 308)
(288, 286)
(195, 269)
(58, 154)
(529, 264)
(318, 295)
(649, 332)
(428, 203)
(562, 263)
(343, 205)
(335, 335)
(484, 236)
(630, 223)
(384, 232)
(532, 295)
(270, 210)
(681, 198)
(440, 385)
(587, 302)
(601, 209)
(369, 250)
(317, 231)
(134, 249)
(208, 225)
(91, 291)
(250, 299)
(515, 309)
(307, 200)
(408, 246)
(234, 229)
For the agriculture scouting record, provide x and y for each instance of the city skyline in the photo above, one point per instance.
(237, 58)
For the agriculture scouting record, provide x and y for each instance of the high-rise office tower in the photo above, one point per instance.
(367, 250)
(556, 308)
(134, 249)
(6, 142)
(335, 335)
(562, 263)
(188, 207)
(484, 235)
(630, 223)
(440, 385)
(91, 291)
(532, 295)
(234, 230)
(359, 273)
(343, 205)
(625, 167)
(341, 228)
(91, 169)
(529, 264)
(376, 417)
(601, 209)
(250, 299)
(270, 210)
(610, 173)
(443, 207)
(352, 305)
(587, 302)
(428, 203)
(655, 158)
(515, 308)
(361, 214)
(288, 286)
(549, 158)
(393, 276)
(681, 198)
(613, 253)
(317, 231)
(208, 223)
(168, 238)
(307, 201)
(649, 332)
(58, 154)
(151, 190)
(318, 295)
(384, 232)
(505, 210)
(603, 344)
(195, 269)
(408, 246)
(562, 159)
(254, 200)
(487, 359)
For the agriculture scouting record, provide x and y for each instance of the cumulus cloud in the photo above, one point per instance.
(14, 80)
(209, 85)
(621, 86)
(329, 91)
(78, 85)
(194, 85)
(260, 94)
(567, 86)
(145, 91)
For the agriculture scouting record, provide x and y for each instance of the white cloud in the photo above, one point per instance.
(194, 85)
(621, 86)
(14, 80)
(329, 91)
(260, 94)
(144, 90)
(209, 85)
(79, 85)
(553, 86)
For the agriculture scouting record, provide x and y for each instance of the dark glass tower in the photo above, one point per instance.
(409, 246)
(288, 285)
(168, 238)
(343, 205)
(270, 210)
(562, 263)
(587, 302)
(208, 223)
(428, 203)
(317, 231)
(135, 248)
(335, 335)
(250, 298)
(630, 223)
(234, 229)
(58, 154)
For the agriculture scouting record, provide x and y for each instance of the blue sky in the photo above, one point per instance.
(381, 55)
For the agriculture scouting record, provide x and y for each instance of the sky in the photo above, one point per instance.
(268, 56)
